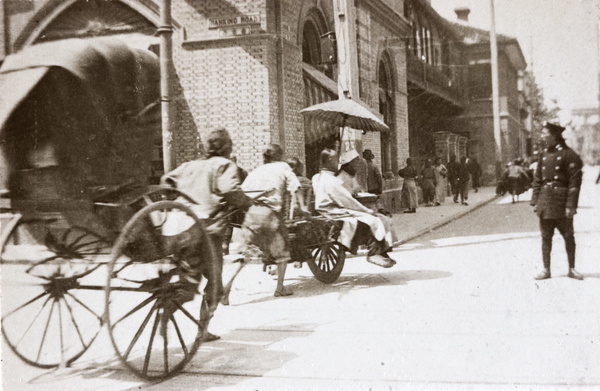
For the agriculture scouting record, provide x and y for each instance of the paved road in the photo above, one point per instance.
(459, 311)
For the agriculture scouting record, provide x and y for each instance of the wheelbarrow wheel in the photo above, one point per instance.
(327, 261)
(45, 319)
(162, 289)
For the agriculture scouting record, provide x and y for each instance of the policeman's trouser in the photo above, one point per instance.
(565, 227)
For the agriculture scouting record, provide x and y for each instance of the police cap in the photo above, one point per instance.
(553, 128)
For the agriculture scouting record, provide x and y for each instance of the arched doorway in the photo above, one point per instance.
(389, 147)
(318, 88)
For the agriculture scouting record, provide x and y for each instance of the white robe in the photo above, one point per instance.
(332, 198)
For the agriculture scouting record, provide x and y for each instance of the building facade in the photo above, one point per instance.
(251, 66)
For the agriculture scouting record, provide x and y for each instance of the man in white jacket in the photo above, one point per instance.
(361, 224)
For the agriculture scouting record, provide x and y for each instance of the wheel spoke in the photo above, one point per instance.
(135, 309)
(26, 304)
(186, 313)
(149, 349)
(74, 322)
(140, 329)
(74, 245)
(165, 352)
(180, 337)
(84, 306)
(60, 332)
(33, 321)
(45, 332)
(43, 261)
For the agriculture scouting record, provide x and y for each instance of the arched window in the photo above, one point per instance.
(311, 44)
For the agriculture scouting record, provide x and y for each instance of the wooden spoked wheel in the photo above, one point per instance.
(327, 261)
(48, 313)
(161, 290)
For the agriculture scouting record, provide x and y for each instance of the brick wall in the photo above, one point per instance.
(224, 79)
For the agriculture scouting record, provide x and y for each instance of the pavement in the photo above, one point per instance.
(459, 315)
(412, 225)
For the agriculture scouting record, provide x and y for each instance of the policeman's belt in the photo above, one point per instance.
(555, 184)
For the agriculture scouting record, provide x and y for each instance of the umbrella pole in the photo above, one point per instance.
(339, 151)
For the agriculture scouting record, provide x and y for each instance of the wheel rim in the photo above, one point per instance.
(155, 316)
(45, 319)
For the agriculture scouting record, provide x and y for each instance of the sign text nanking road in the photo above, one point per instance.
(234, 21)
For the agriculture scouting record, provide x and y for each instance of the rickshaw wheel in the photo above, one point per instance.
(327, 261)
(162, 289)
(45, 319)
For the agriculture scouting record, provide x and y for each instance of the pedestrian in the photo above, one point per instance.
(428, 182)
(556, 187)
(214, 184)
(442, 186)
(517, 179)
(361, 225)
(452, 167)
(475, 170)
(462, 181)
(264, 225)
(409, 198)
(304, 195)
(374, 177)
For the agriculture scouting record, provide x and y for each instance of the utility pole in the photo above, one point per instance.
(495, 90)
(345, 34)
(347, 59)
(165, 30)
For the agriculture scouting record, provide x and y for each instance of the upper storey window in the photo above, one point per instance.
(317, 47)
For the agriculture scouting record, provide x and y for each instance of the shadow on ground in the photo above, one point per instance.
(308, 286)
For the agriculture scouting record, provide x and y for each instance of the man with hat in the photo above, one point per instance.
(556, 186)
(361, 225)
(350, 165)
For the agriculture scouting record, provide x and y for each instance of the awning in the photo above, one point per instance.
(319, 89)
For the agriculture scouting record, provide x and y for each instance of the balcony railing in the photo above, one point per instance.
(432, 79)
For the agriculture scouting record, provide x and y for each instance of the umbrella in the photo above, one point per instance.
(346, 112)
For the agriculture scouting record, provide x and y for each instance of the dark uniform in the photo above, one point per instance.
(556, 186)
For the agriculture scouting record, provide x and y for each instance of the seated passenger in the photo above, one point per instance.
(361, 224)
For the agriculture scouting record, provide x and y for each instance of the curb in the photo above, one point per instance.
(446, 221)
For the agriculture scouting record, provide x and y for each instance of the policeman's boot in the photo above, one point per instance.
(545, 274)
(574, 274)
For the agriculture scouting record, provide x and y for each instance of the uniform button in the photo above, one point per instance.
(543, 168)
(544, 158)
(560, 157)
(557, 168)
(556, 177)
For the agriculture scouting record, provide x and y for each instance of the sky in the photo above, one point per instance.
(559, 39)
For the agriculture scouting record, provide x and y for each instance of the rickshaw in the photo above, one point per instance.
(77, 119)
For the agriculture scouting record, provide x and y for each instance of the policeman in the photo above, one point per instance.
(556, 185)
